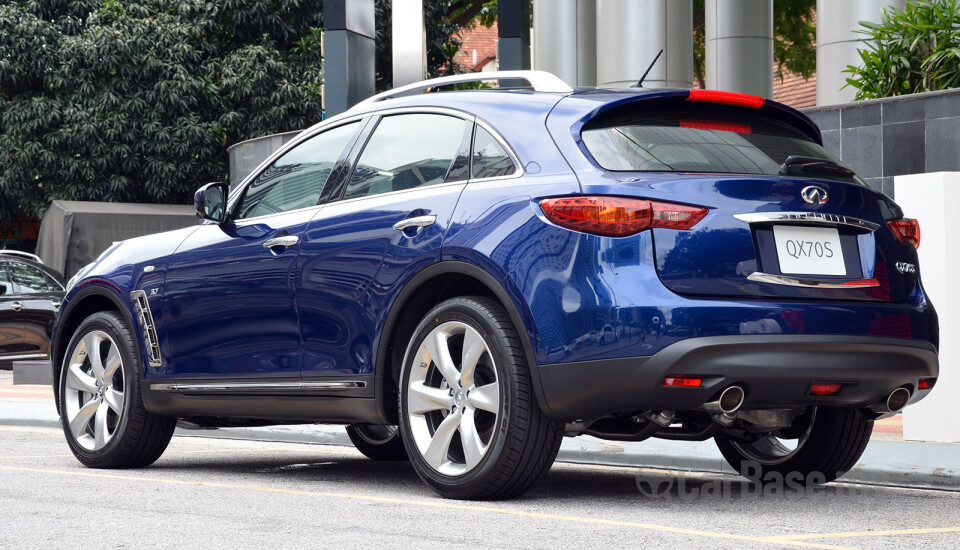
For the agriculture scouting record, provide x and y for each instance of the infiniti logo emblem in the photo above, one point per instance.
(814, 194)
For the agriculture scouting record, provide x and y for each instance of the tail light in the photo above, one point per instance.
(729, 98)
(907, 230)
(682, 382)
(619, 216)
(823, 390)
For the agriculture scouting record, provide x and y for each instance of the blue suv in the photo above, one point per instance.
(463, 278)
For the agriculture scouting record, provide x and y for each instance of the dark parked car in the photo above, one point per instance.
(463, 278)
(30, 296)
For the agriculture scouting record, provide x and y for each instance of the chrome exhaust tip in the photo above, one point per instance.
(898, 399)
(729, 402)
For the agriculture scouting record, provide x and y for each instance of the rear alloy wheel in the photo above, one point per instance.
(101, 409)
(469, 419)
(822, 445)
(377, 442)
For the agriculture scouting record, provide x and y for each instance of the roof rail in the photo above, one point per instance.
(540, 81)
(20, 253)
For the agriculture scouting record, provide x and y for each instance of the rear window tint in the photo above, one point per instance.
(718, 140)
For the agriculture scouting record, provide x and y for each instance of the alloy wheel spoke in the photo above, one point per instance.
(473, 350)
(100, 433)
(473, 447)
(91, 343)
(79, 423)
(436, 453)
(114, 399)
(423, 398)
(439, 351)
(80, 381)
(112, 364)
(486, 398)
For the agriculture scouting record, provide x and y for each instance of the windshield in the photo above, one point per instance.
(698, 140)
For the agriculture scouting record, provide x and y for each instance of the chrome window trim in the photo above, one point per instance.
(23, 357)
(392, 193)
(760, 277)
(519, 173)
(215, 387)
(812, 218)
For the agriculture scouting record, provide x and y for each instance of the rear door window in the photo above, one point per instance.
(408, 151)
(6, 283)
(489, 158)
(32, 280)
(699, 139)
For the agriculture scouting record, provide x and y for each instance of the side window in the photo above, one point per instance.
(32, 280)
(296, 179)
(489, 159)
(6, 285)
(407, 151)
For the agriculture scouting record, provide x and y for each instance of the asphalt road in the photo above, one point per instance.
(215, 493)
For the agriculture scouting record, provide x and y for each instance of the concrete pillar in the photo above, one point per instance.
(349, 73)
(409, 42)
(565, 33)
(739, 46)
(838, 42)
(513, 31)
(631, 32)
(930, 198)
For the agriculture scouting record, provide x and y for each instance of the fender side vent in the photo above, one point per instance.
(146, 323)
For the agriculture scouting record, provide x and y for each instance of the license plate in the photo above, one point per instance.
(809, 250)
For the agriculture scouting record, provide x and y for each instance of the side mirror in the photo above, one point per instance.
(211, 202)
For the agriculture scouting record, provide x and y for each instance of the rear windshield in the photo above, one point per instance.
(699, 138)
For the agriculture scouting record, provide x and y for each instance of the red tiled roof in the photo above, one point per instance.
(481, 40)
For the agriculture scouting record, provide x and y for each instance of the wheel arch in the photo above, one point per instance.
(426, 289)
(87, 301)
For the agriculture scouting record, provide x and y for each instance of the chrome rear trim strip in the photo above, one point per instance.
(811, 218)
(145, 317)
(759, 277)
(259, 386)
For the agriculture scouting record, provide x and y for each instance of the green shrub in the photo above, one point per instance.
(916, 49)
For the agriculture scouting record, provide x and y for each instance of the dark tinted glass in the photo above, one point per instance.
(32, 280)
(489, 158)
(6, 285)
(407, 151)
(699, 141)
(296, 179)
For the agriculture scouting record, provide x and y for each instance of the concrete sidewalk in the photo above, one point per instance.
(886, 461)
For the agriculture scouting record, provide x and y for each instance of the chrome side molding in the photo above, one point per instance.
(759, 277)
(809, 218)
(145, 317)
(24, 357)
(229, 387)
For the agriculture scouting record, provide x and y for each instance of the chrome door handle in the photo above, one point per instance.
(419, 221)
(288, 240)
(16, 306)
(55, 303)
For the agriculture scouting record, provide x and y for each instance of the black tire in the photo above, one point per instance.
(139, 437)
(522, 442)
(378, 442)
(829, 446)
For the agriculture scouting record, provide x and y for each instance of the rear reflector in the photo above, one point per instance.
(926, 383)
(619, 216)
(715, 125)
(682, 382)
(907, 230)
(825, 389)
(729, 98)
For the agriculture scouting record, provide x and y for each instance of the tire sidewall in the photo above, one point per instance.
(107, 323)
(457, 310)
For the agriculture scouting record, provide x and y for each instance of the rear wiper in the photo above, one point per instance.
(796, 164)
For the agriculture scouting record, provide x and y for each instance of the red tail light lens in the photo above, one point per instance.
(682, 382)
(907, 230)
(618, 216)
(716, 125)
(926, 383)
(825, 389)
(729, 98)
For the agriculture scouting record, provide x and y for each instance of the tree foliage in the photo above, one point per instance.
(138, 100)
(916, 49)
(794, 38)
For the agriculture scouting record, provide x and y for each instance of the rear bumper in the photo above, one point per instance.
(775, 371)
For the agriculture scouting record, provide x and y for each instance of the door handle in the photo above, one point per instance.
(16, 306)
(285, 241)
(419, 221)
(55, 303)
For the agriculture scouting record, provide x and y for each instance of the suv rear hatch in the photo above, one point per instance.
(786, 219)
